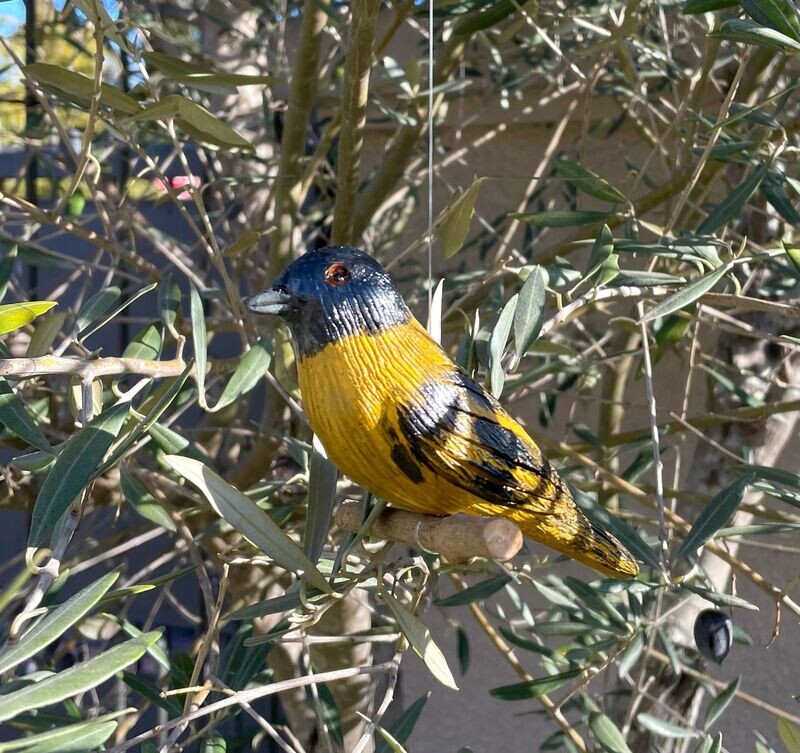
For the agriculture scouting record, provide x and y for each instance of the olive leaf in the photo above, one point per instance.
(16, 315)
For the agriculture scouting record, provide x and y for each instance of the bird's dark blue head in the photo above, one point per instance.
(331, 293)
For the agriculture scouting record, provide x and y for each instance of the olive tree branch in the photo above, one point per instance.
(88, 369)
(301, 97)
(635, 293)
(358, 64)
(394, 166)
(332, 129)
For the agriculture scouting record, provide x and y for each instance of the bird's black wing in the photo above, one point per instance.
(458, 431)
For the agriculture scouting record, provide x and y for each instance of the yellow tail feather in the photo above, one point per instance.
(577, 537)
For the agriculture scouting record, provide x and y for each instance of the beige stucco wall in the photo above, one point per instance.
(471, 717)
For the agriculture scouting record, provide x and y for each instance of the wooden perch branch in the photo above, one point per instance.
(89, 368)
(456, 537)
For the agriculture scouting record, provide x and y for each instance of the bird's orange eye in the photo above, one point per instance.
(337, 274)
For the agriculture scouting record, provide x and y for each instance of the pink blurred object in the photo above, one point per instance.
(179, 181)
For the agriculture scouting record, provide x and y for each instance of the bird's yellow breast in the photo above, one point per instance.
(351, 391)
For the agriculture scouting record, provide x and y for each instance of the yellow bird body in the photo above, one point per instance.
(398, 417)
(351, 410)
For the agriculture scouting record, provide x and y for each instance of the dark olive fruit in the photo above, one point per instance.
(713, 634)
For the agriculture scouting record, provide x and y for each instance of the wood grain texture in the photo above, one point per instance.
(457, 538)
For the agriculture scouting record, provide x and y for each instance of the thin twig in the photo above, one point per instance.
(85, 155)
(508, 654)
(90, 236)
(265, 725)
(659, 466)
(382, 709)
(698, 169)
(250, 695)
(740, 694)
(633, 293)
(745, 413)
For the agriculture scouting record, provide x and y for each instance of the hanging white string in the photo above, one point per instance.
(430, 159)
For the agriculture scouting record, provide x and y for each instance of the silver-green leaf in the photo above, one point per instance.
(733, 203)
(561, 218)
(452, 227)
(248, 373)
(663, 728)
(15, 417)
(96, 306)
(520, 691)
(686, 295)
(77, 679)
(75, 466)
(497, 344)
(420, 640)
(780, 15)
(73, 738)
(718, 705)
(529, 312)
(55, 624)
(143, 502)
(714, 515)
(743, 30)
(199, 340)
(587, 181)
(607, 734)
(322, 477)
